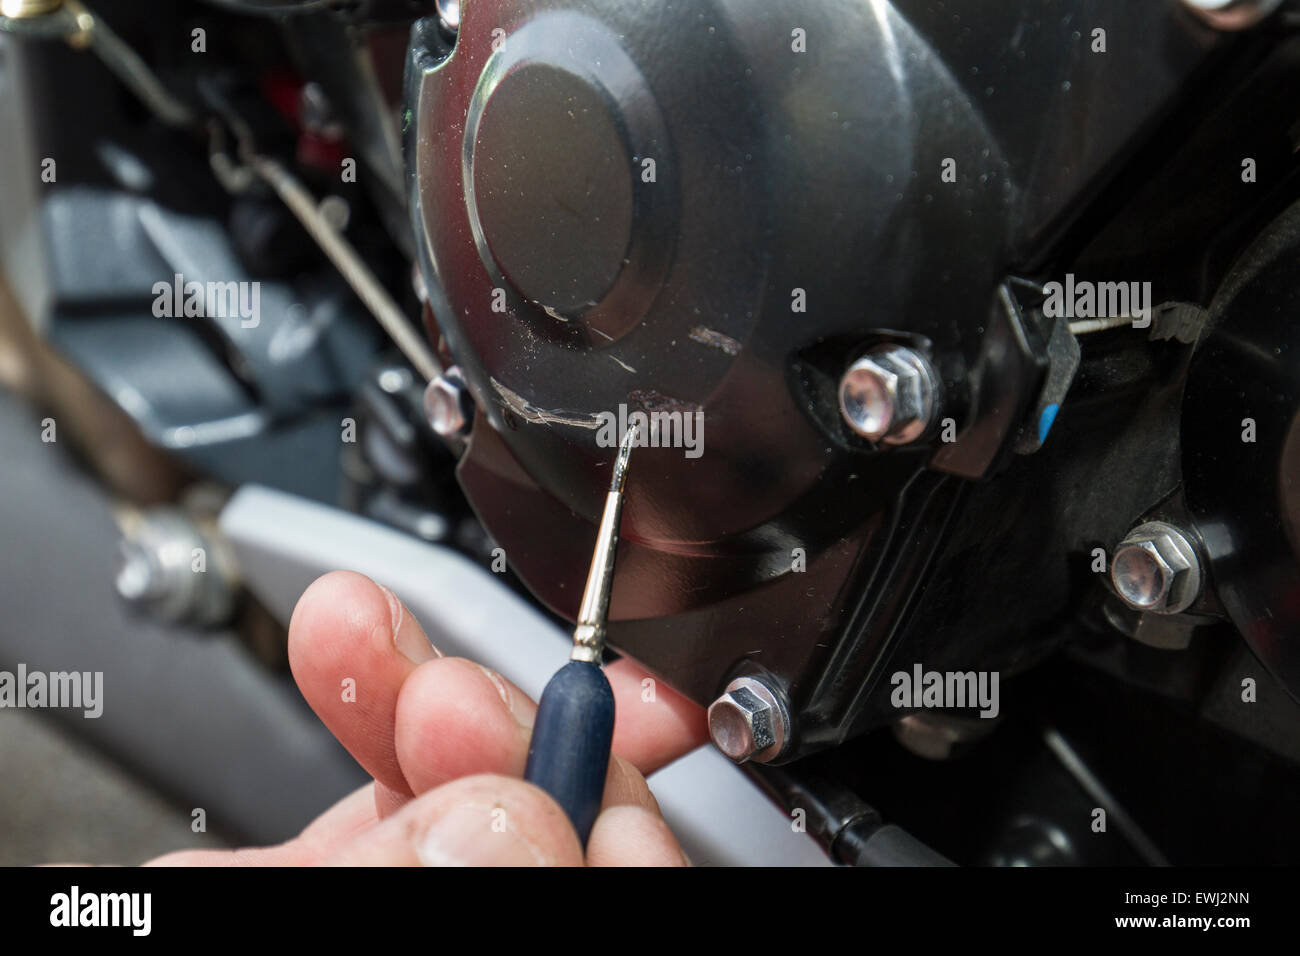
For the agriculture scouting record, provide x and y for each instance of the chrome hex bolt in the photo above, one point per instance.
(1156, 568)
(446, 401)
(889, 395)
(749, 721)
(155, 571)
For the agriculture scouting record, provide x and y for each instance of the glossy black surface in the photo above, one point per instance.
(1245, 495)
(775, 170)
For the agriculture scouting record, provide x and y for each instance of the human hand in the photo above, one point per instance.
(446, 741)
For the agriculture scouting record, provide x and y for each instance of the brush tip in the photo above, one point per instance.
(619, 478)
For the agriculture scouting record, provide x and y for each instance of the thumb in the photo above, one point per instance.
(485, 820)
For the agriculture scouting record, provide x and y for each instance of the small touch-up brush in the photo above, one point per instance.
(569, 751)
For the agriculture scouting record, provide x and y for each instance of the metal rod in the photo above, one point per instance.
(1084, 326)
(1095, 789)
(127, 65)
(345, 258)
(82, 28)
(589, 634)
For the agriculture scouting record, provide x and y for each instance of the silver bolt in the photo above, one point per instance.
(749, 722)
(444, 404)
(393, 380)
(316, 112)
(156, 571)
(1156, 568)
(888, 395)
(936, 736)
(1232, 14)
(448, 15)
(336, 212)
(137, 578)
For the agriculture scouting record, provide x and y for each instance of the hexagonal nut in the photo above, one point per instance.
(445, 405)
(888, 395)
(1156, 568)
(748, 722)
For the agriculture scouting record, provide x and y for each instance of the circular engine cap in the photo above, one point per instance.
(551, 187)
(563, 199)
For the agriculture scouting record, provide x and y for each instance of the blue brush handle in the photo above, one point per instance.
(569, 752)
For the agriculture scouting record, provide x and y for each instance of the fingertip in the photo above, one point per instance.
(346, 613)
(455, 719)
(319, 613)
(351, 646)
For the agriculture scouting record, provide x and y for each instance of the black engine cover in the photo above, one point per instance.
(715, 207)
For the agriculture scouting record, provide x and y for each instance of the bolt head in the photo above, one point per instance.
(748, 722)
(136, 577)
(393, 380)
(888, 395)
(444, 405)
(448, 15)
(1156, 568)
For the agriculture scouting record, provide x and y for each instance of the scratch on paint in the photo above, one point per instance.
(715, 340)
(647, 401)
(541, 416)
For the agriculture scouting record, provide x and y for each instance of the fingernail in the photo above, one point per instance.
(407, 636)
(525, 721)
(501, 687)
(474, 834)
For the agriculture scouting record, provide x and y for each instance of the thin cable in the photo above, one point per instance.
(1084, 326)
(345, 258)
(1126, 825)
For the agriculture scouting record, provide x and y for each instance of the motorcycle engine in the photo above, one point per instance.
(957, 336)
(786, 227)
